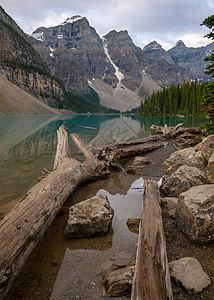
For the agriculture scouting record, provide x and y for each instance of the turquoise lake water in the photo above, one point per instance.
(28, 143)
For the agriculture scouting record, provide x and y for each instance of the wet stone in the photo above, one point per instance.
(140, 161)
(89, 218)
(133, 224)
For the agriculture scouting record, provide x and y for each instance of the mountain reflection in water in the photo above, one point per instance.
(28, 144)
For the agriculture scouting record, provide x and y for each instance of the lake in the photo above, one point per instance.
(71, 269)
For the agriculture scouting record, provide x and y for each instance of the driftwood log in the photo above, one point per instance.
(168, 130)
(151, 279)
(173, 131)
(25, 224)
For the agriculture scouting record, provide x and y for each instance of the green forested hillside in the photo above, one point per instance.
(80, 103)
(182, 99)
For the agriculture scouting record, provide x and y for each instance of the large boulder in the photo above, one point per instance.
(195, 213)
(189, 273)
(210, 169)
(188, 156)
(206, 147)
(90, 217)
(181, 180)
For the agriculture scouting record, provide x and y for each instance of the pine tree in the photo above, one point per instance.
(208, 98)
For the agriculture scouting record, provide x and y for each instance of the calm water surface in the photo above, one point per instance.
(72, 269)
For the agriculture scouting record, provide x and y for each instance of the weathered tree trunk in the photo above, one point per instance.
(62, 146)
(151, 279)
(145, 140)
(173, 131)
(25, 224)
(112, 156)
(168, 130)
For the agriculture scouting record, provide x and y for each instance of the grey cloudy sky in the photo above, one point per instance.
(165, 21)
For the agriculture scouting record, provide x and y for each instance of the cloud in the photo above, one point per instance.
(166, 21)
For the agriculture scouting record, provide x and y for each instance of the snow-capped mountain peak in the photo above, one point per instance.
(72, 20)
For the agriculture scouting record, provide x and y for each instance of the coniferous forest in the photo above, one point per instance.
(184, 99)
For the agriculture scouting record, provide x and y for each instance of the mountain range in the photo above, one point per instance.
(55, 61)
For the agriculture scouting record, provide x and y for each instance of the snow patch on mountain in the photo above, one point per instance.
(38, 36)
(52, 50)
(72, 20)
(118, 74)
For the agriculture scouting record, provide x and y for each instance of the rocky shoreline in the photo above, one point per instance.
(188, 217)
(187, 200)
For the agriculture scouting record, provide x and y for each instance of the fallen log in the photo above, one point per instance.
(112, 157)
(173, 131)
(145, 140)
(167, 130)
(151, 279)
(22, 228)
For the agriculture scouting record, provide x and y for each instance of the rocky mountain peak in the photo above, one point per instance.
(72, 19)
(120, 39)
(191, 59)
(155, 50)
(180, 44)
(153, 45)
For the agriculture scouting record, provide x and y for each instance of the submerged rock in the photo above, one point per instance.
(187, 156)
(189, 273)
(118, 282)
(90, 217)
(181, 180)
(140, 161)
(118, 274)
(133, 224)
(195, 213)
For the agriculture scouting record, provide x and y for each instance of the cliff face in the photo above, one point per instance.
(189, 58)
(192, 59)
(22, 65)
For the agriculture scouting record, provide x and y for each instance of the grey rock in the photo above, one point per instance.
(169, 206)
(206, 147)
(189, 273)
(210, 169)
(187, 156)
(90, 217)
(181, 180)
(195, 213)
